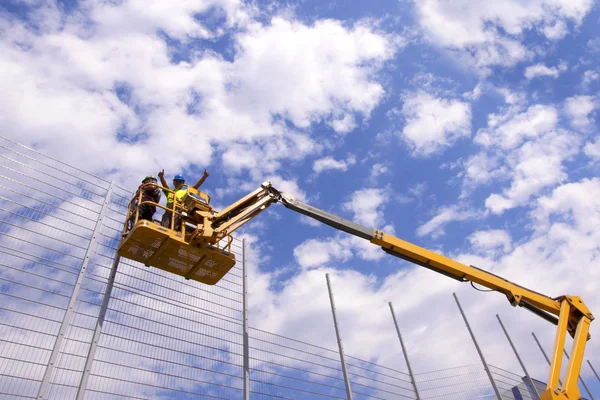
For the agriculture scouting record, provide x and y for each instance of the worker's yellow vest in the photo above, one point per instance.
(179, 194)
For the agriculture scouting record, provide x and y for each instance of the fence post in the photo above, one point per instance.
(485, 365)
(595, 373)
(581, 379)
(98, 330)
(42, 392)
(339, 340)
(412, 377)
(246, 346)
(537, 395)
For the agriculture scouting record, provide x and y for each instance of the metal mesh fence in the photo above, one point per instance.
(78, 322)
(466, 382)
(161, 336)
(281, 367)
(511, 385)
(372, 381)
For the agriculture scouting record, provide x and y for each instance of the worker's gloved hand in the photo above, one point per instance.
(206, 174)
(161, 174)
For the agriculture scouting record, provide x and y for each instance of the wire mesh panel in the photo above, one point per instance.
(48, 215)
(284, 368)
(164, 336)
(372, 381)
(467, 382)
(513, 386)
(72, 329)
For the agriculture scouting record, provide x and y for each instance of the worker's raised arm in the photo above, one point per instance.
(201, 181)
(161, 175)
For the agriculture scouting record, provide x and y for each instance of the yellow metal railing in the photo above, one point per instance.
(135, 208)
(177, 209)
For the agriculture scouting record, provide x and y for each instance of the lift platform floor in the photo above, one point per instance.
(159, 247)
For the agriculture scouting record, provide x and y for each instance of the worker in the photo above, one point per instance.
(150, 193)
(179, 191)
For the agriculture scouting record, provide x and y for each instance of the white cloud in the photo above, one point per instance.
(264, 156)
(177, 19)
(316, 253)
(578, 109)
(435, 226)
(377, 170)
(433, 124)
(592, 149)
(418, 189)
(554, 261)
(527, 148)
(474, 94)
(589, 77)
(576, 203)
(344, 124)
(482, 168)
(321, 71)
(510, 129)
(491, 241)
(490, 34)
(330, 163)
(512, 97)
(539, 70)
(556, 31)
(594, 45)
(367, 206)
(112, 87)
(536, 165)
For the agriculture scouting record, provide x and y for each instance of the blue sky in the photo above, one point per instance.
(469, 129)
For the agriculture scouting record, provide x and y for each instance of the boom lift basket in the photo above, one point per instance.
(166, 249)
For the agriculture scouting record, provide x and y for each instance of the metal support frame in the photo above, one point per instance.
(566, 355)
(485, 365)
(410, 372)
(246, 345)
(593, 370)
(43, 391)
(339, 340)
(98, 330)
(581, 380)
(534, 388)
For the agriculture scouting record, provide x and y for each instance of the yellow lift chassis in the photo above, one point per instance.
(569, 313)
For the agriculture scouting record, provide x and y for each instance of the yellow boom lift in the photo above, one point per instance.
(201, 250)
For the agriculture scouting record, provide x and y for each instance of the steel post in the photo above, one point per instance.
(410, 372)
(246, 351)
(537, 395)
(595, 373)
(43, 391)
(485, 365)
(339, 340)
(98, 330)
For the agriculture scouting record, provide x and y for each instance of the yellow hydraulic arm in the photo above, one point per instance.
(195, 253)
(569, 313)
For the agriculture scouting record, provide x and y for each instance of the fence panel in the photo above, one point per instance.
(48, 215)
(281, 367)
(162, 336)
(466, 382)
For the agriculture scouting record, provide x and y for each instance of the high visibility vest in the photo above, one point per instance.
(178, 195)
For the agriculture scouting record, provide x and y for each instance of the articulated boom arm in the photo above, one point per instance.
(569, 313)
